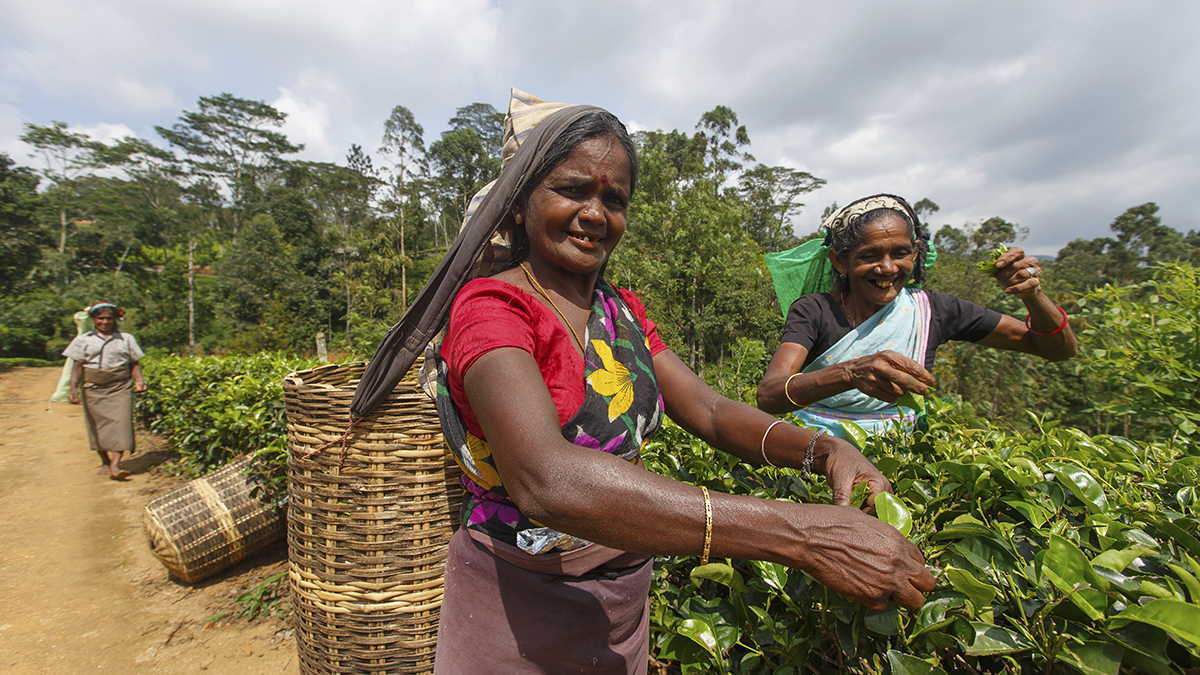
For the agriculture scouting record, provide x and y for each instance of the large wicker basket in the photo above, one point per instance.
(368, 526)
(211, 523)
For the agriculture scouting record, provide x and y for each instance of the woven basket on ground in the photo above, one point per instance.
(211, 523)
(368, 526)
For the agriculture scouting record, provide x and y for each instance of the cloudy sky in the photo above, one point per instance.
(1054, 115)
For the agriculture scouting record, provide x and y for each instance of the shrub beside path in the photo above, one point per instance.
(79, 589)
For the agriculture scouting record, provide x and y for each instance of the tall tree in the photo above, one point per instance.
(771, 193)
(485, 121)
(404, 146)
(68, 156)
(462, 165)
(724, 139)
(345, 196)
(232, 140)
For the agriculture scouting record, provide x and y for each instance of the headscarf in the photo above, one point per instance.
(95, 307)
(529, 128)
(806, 269)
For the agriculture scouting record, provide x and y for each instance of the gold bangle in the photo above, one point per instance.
(789, 396)
(707, 525)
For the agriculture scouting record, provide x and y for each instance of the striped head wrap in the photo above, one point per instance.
(842, 217)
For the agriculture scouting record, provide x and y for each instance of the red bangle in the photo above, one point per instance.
(1056, 330)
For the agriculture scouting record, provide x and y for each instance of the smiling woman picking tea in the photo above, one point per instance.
(849, 353)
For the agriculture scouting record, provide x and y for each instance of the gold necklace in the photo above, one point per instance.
(556, 309)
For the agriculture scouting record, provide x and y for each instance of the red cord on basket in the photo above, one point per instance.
(344, 438)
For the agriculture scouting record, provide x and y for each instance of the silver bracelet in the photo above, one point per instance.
(806, 468)
(764, 443)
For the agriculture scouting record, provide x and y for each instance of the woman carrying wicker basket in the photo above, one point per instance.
(550, 381)
(106, 369)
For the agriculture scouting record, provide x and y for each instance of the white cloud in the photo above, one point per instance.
(308, 115)
(1054, 115)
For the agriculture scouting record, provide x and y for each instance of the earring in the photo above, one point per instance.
(518, 217)
(843, 276)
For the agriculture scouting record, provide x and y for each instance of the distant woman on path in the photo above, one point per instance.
(106, 365)
(858, 337)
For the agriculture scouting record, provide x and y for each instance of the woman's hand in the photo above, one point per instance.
(139, 386)
(864, 558)
(1018, 274)
(845, 467)
(888, 375)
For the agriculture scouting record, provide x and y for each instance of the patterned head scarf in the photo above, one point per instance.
(842, 217)
(529, 128)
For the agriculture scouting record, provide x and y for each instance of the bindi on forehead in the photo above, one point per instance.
(604, 178)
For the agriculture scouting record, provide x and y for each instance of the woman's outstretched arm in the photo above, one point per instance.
(1048, 334)
(607, 500)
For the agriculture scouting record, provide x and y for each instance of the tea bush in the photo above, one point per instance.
(1057, 552)
(212, 409)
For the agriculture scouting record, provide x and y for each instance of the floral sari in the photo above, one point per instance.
(622, 408)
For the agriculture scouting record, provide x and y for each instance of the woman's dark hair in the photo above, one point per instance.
(591, 125)
(847, 238)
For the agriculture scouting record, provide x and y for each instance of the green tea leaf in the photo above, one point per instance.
(1093, 658)
(904, 664)
(701, 633)
(991, 640)
(893, 512)
(979, 593)
(722, 574)
(989, 265)
(1118, 560)
(1082, 484)
(855, 433)
(1068, 569)
(1180, 619)
(1179, 535)
(1189, 581)
(774, 574)
(914, 402)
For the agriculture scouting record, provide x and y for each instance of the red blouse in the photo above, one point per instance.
(489, 314)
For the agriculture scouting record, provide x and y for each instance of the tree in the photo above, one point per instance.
(256, 268)
(485, 121)
(723, 138)
(462, 166)
(19, 234)
(404, 145)
(231, 140)
(345, 196)
(68, 155)
(771, 193)
(925, 209)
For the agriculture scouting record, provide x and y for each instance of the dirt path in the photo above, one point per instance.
(79, 589)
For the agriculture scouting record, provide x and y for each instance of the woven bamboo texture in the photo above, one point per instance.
(368, 526)
(211, 523)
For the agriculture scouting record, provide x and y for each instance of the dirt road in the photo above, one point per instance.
(80, 591)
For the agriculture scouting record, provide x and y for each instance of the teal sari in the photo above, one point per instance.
(903, 327)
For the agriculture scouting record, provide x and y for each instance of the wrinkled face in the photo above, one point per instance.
(576, 215)
(104, 320)
(879, 267)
